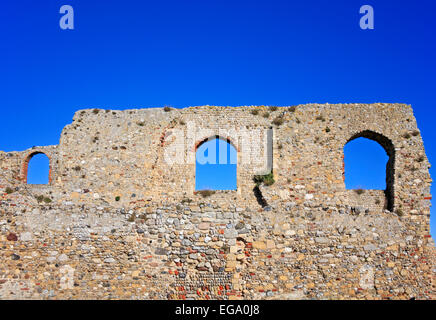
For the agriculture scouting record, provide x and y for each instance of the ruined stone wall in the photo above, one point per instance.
(123, 219)
(13, 165)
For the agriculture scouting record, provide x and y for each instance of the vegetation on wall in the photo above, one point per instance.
(266, 179)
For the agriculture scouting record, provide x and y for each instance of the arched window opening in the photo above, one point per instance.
(215, 165)
(365, 165)
(37, 169)
(369, 164)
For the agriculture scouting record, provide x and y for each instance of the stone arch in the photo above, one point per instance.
(226, 139)
(25, 165)
(388, 146)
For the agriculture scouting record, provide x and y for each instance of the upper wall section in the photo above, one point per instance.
(150, 153)
(138, 155)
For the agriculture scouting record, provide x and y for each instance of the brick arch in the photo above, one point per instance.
(389, 148)
(25, 165)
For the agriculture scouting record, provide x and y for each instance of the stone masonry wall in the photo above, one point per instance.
(120, 217)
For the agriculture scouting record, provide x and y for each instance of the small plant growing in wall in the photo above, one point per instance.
(9, 190)
(399, 212)
(95, 111)
(266, 179)
(292, 109)
(167, 108)
(359, 191)
(117, 198)
(327, 129)
(407, 135)
(266, 115)
(47, 200)
(415, 133)
(273, 108)
(41, 198)
(278, 121)
(254, 112)
(206, 193)
(140, 123)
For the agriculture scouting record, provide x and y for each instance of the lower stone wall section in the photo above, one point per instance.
(200, 251)
(372, 200)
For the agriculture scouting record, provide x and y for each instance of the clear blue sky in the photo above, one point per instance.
(131, 54)
(215, 167)
(365, 165)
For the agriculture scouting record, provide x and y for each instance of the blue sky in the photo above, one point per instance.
(215, 167)
(365, 165)
(132, 54)
(37, 170)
